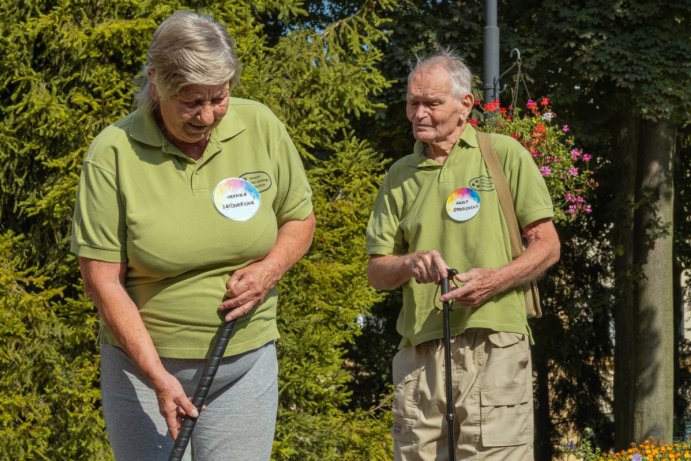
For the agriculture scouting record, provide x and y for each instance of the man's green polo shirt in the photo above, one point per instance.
(143, 202)
(410, 214)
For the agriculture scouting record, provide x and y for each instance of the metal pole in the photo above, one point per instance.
(490, 76)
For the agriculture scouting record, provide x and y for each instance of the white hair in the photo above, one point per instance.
(461, 76)
(188, 49)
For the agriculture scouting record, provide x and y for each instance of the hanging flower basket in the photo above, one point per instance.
(565, 167)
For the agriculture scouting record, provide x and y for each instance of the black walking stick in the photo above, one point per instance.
(225, 331)
(447, 363)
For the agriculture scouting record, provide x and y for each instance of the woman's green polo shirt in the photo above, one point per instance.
(410, 214)
(143, 202)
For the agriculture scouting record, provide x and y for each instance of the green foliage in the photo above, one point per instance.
(323, 297)
(49, 373)
(363, 435)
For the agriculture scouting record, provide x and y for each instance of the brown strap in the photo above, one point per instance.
(502, 186)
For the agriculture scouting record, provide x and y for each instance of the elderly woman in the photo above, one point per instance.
(190, 210)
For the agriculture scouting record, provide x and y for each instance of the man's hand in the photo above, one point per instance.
(474, 287)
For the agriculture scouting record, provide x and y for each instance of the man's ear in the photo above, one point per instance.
(467, 103)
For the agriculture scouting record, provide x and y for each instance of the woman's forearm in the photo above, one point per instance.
(104, 284)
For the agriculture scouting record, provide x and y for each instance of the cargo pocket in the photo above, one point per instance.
(406, 398)
(506, 394)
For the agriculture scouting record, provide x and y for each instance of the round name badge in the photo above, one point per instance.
(463, 204)
(236, 199)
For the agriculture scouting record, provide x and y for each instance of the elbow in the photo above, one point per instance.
(555, 254)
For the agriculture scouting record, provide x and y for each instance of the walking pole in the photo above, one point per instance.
(225, 331)
(447, 363)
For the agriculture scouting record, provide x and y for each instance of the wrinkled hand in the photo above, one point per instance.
(474, 287)
(428, 267)
(247, 288)
(173, 404)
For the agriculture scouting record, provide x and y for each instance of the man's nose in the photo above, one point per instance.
(420, 112)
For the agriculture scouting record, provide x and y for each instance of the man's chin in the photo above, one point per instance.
(423, 136)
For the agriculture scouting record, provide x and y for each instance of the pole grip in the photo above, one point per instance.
(225, 331)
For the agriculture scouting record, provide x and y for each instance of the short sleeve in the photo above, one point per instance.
(383, 225)
(294, 196)
(98, 224)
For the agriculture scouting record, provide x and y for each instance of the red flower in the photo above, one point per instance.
(544, 102)
(473, 121)
(491, 106)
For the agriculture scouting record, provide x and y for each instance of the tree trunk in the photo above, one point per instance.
(626, 156)
(653, 351)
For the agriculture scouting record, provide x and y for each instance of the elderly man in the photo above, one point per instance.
(413, 238)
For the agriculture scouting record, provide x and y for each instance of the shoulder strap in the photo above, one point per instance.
(502, 186)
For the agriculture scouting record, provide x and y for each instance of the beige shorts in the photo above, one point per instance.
(492, 392)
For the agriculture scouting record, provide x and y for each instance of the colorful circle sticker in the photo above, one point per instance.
(236, 199)
(463, 204)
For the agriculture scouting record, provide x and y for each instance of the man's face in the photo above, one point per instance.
(435, 113)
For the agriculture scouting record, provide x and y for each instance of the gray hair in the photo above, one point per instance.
(188, 49)
(461, 76)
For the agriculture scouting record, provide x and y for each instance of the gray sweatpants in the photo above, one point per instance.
(237, 424)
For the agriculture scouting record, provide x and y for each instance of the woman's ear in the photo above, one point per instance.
(153, 91)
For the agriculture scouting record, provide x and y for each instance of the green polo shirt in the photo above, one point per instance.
(142, 202)
(412, 213)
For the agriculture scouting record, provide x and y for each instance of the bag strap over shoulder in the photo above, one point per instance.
(501, 184)
(532, 296)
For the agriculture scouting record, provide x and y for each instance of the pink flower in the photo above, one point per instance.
(532, 105)
(545, 170)
(575, 153)
(565, 128)
(573, 171)
(587, 157)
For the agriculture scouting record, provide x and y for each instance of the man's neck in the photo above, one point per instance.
(439, 151)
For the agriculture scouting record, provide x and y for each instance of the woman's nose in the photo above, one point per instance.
(206, 114)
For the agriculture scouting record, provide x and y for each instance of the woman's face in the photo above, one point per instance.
(190, 115)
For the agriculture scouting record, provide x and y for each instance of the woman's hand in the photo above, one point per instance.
(173, 404)
(247, 288)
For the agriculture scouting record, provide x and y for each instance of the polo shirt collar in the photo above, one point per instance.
(468, 138)
(145, 129)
